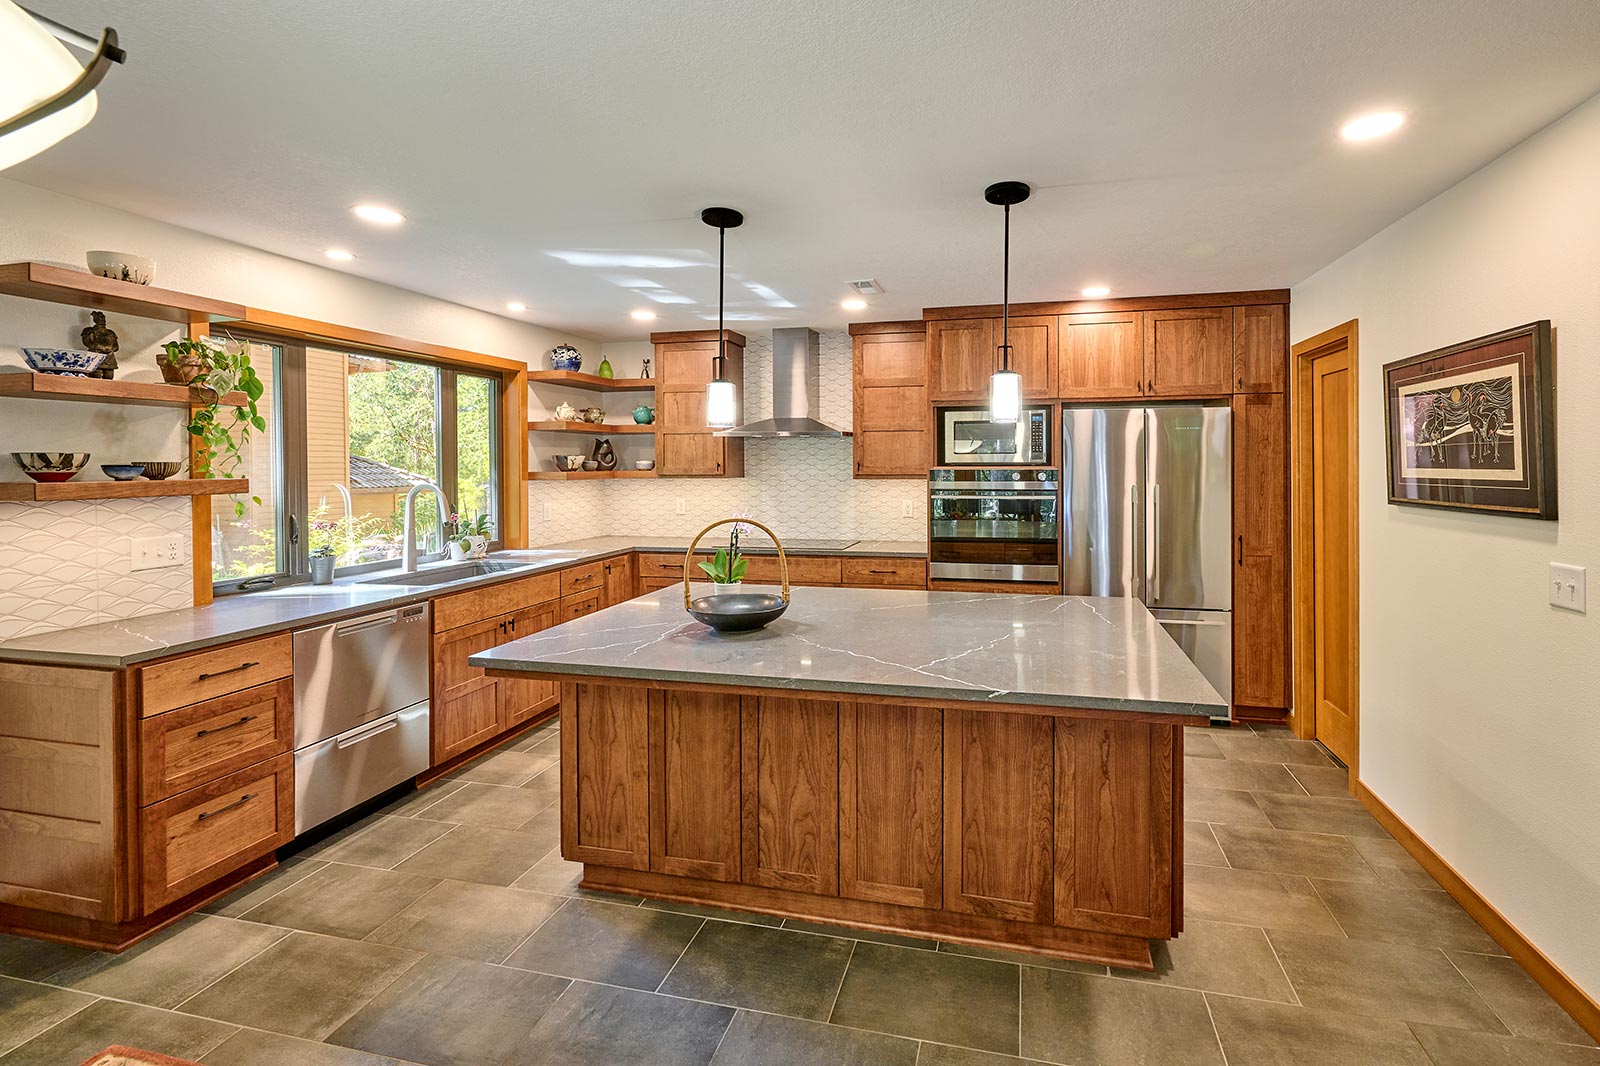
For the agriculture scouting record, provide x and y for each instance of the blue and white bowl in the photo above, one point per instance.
(68, 361)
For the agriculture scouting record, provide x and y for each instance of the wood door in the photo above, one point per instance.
(1101, 356)
(685, 364)
(790, 778)
(684, 446)
(961, 358)
(605, 758)
(891, 804)
(1260, 347)
(892, 417)
(1261, 631)
(695, 792)
(1114, 825)
(466, 705)
(1332, 479)
(1189, 352)
(689, 455)
(618, 580)
(524, 698)
(998, 804)
(1033, 353)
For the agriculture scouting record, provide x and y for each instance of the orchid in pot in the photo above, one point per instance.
(468, 538)
(726, 568)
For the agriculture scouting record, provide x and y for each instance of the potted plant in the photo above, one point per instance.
(468, 538)
(322, 563)
(726, 568)
(182, 361)
(221, 439)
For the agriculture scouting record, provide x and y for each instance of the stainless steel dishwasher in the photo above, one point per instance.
(360, 710)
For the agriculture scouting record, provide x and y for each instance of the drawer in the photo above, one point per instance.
(803, 570)
(202, 742)
(654, 565)
(508, 597)
(209, 674)
(333, 775)
(585, 603)
(192, 839)
(902, 573)
(576, 579)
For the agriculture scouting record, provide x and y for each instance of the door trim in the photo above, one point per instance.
(1301, 524)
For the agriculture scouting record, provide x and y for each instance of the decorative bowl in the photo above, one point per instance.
(569, 462)
(123, 266)
(592, 414)
(70, 362)
(644, 464)
(565, 357)
(160, 471)
(121, 471)
(738, 611)
(591, 464)
(51, 466)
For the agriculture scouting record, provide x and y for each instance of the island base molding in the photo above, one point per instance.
(1128, 952)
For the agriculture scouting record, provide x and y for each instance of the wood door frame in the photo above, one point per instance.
(1303, 580)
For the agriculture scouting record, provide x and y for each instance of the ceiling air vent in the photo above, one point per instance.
(867, 287)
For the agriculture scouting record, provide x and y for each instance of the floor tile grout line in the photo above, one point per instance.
(690, 943)
(93, 999)
(1312, 881)
(1477, 992)
(1216, 1032)
(241, 915)
(726, 1029)
(833, 1006)
(1293, 991)
(523, 942)
(276, 941)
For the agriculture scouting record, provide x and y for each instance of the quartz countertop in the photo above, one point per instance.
(1063, 651)
(133, 640)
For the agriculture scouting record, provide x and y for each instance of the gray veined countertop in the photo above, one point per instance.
(1059, 651)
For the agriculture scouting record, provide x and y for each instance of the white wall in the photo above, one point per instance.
(1480, 704)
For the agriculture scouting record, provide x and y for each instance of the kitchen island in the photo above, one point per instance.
(991, 769)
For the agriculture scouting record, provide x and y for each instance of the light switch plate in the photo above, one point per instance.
(1567, 587)
(157, 553)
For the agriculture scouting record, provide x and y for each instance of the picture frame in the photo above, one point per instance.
(1471, 427)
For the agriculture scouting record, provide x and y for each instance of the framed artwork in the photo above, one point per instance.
(1471, 427)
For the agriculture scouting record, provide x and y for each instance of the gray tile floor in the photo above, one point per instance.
(447, 930)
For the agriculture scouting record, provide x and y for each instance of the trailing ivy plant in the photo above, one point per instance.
(221, 438)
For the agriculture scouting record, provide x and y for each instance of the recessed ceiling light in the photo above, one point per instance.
(853, 303)
(340, 255)
(1094, 292)
(1370, 127)
(516, 308)
(643, 316)
(383, 216)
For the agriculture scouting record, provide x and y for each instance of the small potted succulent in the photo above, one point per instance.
(323, 560)
(726, 568)
(468, 538)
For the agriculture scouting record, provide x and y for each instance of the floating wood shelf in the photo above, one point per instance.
(585, 475)
(40, 492)
(62, 285)
(591, 427)
(577, 380)
(27, 385)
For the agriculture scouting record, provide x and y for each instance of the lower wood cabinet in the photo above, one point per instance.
(891, 804)
(605, 802)
(790, 772)
(619, 579)
(193, 745)
(522, 699)
(695, 791)
(584, 603)
(466, 705)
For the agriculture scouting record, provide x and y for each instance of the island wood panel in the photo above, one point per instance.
(695, 784)
(605, 756)
(1114, 826)
(1189, 352)
(791, 793)
(199, 743)
(1260, 348)
(1102, 356)
(998, 811)
(891, 804)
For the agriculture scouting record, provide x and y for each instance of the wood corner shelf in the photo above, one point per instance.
(591, 427)
(21, 383)
(139, 488)
(79, 288)
(585, 475)
(575, 379)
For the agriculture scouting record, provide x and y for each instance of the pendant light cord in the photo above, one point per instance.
(722, 280)
(1005, 298)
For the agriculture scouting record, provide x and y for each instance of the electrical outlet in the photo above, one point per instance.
(680, 505)
(1567, 587)
(906, 510)
(549, 511)
(156, 553)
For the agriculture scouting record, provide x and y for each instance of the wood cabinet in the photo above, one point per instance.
(891, 804)
(892, 421)
(1260, 348)
(814, 570)
(960, 360)
(618, 579)
(695, 786)
(791, 794)
(199, 743)
(213, 672)
(1033, 353)
(605, 754)
(583, 603)
(523, 699)
(1102, 356)
(685, 447)
(466, 704)
(863, 572)
(1261, 627)
(1188, 352)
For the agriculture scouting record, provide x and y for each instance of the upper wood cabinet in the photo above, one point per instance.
(961, 358)
(1102, 356)
(890, 384)
(1033, 353)
(1189, 352)
(1260, 348)
(684, 364)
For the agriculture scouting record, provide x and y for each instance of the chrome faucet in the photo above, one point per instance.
(408, 537)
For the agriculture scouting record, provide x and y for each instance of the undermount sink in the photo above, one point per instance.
(443, 575)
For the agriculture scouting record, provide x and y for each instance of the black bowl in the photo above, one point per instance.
(733, 612)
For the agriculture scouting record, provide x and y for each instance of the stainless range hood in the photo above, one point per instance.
(796, 384)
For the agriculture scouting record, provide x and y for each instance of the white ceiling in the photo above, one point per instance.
(557, 153)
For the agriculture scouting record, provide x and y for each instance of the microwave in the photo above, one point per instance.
(968, 438)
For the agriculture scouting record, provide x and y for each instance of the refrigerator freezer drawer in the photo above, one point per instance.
(333, 775)
(1206, 637)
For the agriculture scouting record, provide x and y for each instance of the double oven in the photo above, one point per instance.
(994, 500)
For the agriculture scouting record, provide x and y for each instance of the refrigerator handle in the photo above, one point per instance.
(1155, 542)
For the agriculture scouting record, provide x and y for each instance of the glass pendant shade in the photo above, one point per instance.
(34, 66)
(1005, 396)
(722, 405)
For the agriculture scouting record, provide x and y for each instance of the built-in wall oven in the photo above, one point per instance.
(968, 438)
(994, 524)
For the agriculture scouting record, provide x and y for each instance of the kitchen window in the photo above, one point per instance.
(349, 433)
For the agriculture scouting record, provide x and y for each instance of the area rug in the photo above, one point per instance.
(117, 1055)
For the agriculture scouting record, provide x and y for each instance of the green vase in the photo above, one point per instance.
(605, 370)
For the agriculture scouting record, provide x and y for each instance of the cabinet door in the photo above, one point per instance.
(961, 358)
(684, 446)
(466, 705)
(903, 455)
(520, 698)
(685, 364)
(618, 580)
(891, 406)
(790, 779)
(1101, 356)
(891, 804)
(694, 784)
(998, 796)
(605, 756)
(689, 455)
(891, 360)
(1261, 631)
(1261, 625)
(1189, 352)
(1260, 348)
(1033, 353)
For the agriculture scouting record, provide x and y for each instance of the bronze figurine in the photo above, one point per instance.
(101, 338)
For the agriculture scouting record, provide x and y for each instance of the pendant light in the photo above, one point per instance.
(45, 96)
(722, 397)
(1005, 387)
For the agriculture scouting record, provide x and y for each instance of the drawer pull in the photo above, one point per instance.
(880, 571)
(221, 728)
(229, 670)
(240, 802)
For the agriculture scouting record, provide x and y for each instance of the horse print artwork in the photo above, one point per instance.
(1472, 426)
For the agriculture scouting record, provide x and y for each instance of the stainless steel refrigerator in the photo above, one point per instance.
(1147, 512)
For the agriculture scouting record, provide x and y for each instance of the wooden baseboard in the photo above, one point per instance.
(1572, 999)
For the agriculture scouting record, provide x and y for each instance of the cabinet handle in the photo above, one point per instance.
(229, 670)
(1241, 549)
(513, 624)
(240, 802)
(502, 627)
(221, 728)
(880, 571)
